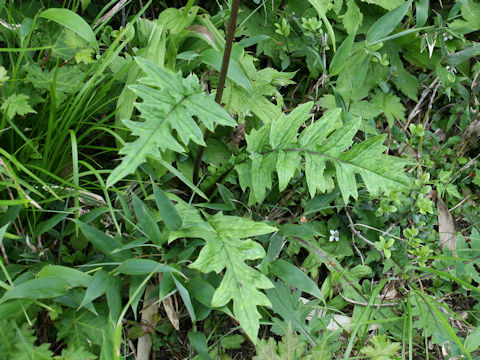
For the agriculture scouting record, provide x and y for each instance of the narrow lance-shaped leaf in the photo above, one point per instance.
(44, 288)
(343, 52)
(386, 24)
(146, 221)
(103, 242)
(100, 284)
(72, 276)
(170, 215)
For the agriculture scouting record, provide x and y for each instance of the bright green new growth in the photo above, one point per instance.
(170, 102)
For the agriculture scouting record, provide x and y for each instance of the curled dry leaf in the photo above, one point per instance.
(203, 32)
(170, 309)
(150, 309)
(238, 134)
(446, 227)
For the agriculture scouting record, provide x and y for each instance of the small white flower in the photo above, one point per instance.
(334, 235)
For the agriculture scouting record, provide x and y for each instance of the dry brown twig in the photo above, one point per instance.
(358, 234)
(416, 109)
(110, 13)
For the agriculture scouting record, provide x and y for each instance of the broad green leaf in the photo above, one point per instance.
(114, 299)
(293, 276)
(472, 342)
(461, 56)
(267, 350)
(235, 73)
(386, 4)
(344, 50)
(137, 287)
(314, 169)
(81, 327)
(338, 141)
(346, 181)
(257, 140)
(320, 129)
(353, 18)
(361, 72)
(378, 171)
(287, 164)
(173, 20)
(141, 267)
(422, 9)
(198, 341)
(73, 277)
(364, 109)
(75, 353)
(232, 341)
(42, 288)
(68, 79)
(170, 215)
(257, 173)
(100, 283)
(284, 130)
(327, 148)
(240, 227)
(132, 244)
(265, 84)
(18, 342)
(203, 291)
(386, 24)
(172, 107)
(71, 21)
(224, 250)
(390, 105)
(16, 104)
(382, 348)
(471, 18)
(226, 195)
(246, 42)
(193, 223)
(262, 167)
(403, 80)
(244, 104)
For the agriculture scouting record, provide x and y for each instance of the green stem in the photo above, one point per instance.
(187, 7)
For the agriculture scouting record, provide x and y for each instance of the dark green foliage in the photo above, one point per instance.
(336, 208)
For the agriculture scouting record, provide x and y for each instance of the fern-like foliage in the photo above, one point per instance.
(291, 347)
(227, 249)
(323, 149)
(170, 103)
(18, 342)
